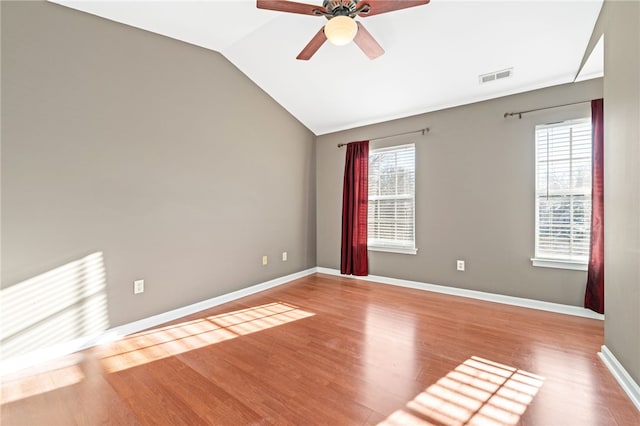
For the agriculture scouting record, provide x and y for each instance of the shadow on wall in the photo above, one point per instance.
(57, 306)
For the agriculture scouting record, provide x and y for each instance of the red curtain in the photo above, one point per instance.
(354, 257)
(594, 295)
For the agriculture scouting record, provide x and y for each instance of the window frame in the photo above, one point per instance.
(566, 262)
(382, 245)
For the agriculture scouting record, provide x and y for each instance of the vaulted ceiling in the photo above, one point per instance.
(434, 54)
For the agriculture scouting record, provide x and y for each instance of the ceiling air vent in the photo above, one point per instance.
(496, 75)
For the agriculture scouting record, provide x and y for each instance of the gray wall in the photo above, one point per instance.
(622, 181)
(126, 143)
(160, 155)
(474, 196)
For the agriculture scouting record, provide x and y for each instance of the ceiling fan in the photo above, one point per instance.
(342, 28)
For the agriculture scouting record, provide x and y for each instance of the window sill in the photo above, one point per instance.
(400, 250)
(559, 264)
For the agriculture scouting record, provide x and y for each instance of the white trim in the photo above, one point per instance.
(625, 380)
(473, 294)
(66, 348)
(559, 264)
(391, 249)
(46, 354)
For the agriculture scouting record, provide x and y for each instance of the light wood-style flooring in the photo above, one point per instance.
(335, 351)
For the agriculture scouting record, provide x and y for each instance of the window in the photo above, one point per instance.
(563, 194)
(391, 214)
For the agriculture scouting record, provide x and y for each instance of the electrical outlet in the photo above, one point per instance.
(138, 286)
(284, 256)
(460, 265)
(264, 260)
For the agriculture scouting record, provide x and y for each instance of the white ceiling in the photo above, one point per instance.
(434, 53)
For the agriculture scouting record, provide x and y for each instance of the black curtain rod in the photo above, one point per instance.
(519, 114)
(425, 130)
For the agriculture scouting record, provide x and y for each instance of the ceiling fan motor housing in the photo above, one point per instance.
(340, 8)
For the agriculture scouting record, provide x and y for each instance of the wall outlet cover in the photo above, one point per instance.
(138, 286)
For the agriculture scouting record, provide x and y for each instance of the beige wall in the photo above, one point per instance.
(158, 154)
(622, 181)
(474, 196)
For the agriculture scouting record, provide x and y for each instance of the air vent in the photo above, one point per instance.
(496, 75)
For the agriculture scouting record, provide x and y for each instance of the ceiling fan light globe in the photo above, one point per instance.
(340, 30)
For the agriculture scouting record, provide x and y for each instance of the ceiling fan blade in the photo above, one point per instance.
(313, 46)
(290, 6)
(367, 43)
(377, 7)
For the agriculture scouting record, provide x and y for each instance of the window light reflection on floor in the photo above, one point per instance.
(170, 340)
(14, 389)
(477, 392)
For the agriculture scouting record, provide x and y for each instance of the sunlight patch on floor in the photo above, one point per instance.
(159, 343)
(17, 388)
(477, 392)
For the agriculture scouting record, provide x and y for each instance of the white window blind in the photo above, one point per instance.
(391, 213)
(563, 191)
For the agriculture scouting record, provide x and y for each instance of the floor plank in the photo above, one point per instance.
(332, 350)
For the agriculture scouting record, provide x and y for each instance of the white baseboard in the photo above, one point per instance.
(46, 354)
(66, 348)
(631, 388)
(473, 294)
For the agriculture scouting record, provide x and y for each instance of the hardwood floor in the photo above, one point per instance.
(330, 350)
